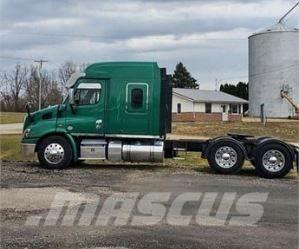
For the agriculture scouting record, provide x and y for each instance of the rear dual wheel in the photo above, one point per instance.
(273, 161)
(226, 157)
(270, 161)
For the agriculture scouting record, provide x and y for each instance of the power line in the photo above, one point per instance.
(99, 36)
(219, 80)
(258, 74)
(233, 78)
(4, 57)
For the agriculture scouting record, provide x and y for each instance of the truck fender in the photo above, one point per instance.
(74, 146)
(70, 139)
(214, 141)
(270, 140)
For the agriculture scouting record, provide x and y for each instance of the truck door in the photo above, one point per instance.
(136, 118)
(87, 117)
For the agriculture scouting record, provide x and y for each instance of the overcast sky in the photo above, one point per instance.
(209, 37)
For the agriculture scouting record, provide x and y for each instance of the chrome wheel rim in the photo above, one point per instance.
(273, 160)
(226, 157)
(54, 153)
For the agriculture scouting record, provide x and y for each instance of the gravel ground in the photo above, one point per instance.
(27, 190)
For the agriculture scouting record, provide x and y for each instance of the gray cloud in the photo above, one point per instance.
(209, 36)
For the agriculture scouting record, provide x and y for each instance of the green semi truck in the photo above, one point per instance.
(121, 111)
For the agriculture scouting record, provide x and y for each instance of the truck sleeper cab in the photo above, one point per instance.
(121, 111)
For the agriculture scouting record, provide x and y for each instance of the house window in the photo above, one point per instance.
(233, 108)
(208, 107)
(179, 108)
(223, 108)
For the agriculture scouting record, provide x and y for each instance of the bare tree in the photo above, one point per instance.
(82, 67)
(22, 84)
(6, 102)
(14, 81)
(32, 87)
(65, 71)
(51, 93)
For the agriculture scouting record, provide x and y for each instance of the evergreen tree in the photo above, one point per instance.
(240, 90)
(181, 77)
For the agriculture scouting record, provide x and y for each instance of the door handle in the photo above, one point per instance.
(98, 123)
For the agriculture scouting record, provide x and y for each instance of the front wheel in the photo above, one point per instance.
(273, 161)
(54, 153)
(226, 157)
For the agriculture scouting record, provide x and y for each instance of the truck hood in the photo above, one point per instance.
(46, 113)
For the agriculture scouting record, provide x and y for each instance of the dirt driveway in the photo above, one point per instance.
(28, 192)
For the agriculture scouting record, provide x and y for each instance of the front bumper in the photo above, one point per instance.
(28, 149)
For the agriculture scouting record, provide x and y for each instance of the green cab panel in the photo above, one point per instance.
(132, 97)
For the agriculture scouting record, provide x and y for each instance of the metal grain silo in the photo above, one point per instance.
(273, 67)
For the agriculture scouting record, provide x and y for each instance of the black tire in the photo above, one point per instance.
(64, 161)
(258, 141)
(264, 171)
(238, 162)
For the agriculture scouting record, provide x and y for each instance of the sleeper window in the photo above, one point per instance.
(136, 97)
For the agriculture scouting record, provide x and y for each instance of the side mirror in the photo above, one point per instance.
(27, 107)
(61, 107)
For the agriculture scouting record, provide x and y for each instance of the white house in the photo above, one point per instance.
(205, 105)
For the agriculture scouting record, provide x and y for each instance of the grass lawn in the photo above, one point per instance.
(11, 117)
(10, 147)
(288, 131)
(11, 150)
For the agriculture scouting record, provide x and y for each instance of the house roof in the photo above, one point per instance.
(196, 95)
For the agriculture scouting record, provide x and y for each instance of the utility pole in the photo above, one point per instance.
(216, 84)
(40, 82)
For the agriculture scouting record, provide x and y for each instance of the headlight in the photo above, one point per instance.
(27, 133)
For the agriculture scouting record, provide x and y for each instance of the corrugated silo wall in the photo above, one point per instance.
(273, 64)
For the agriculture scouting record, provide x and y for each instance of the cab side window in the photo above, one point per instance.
(87, 95)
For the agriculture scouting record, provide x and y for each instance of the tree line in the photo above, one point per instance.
(183, 79)
(21, 85)
(240, 90)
